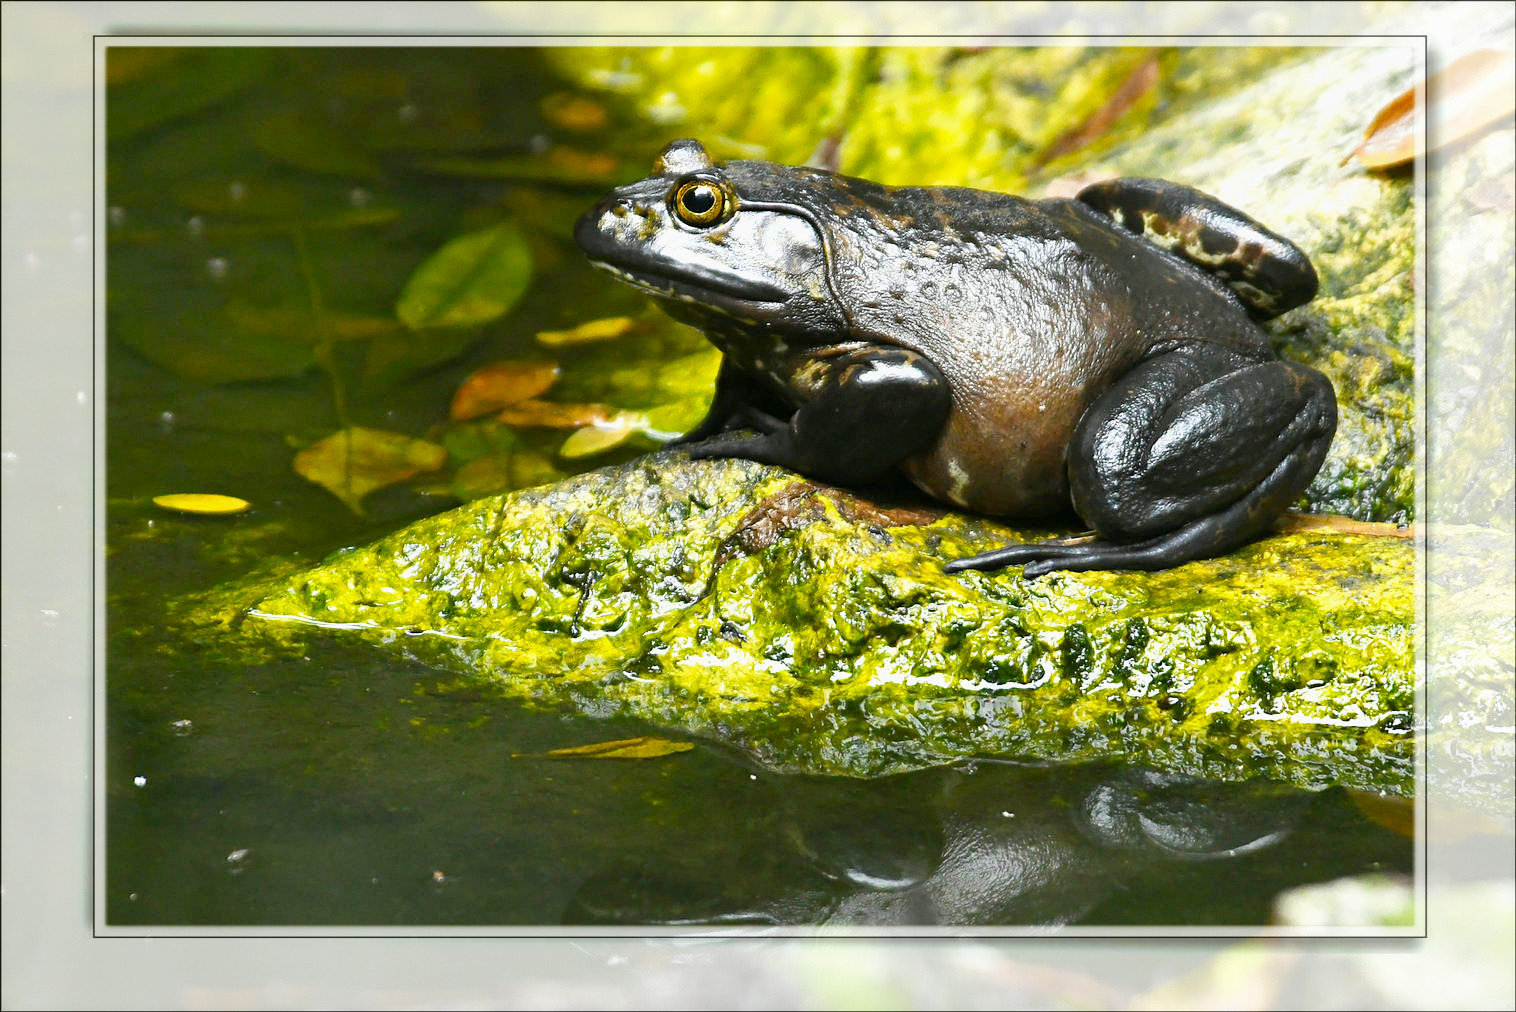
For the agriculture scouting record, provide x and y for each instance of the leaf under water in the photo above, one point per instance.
(645, 747)
(470, 281)
(355, 461)
(499, 385)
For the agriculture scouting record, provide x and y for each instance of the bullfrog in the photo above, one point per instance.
(1012, 357)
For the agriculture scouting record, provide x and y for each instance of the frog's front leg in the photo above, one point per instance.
(1189, 455)
(739, 401)
(874, 407)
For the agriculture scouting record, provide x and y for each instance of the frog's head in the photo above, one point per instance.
(726, 246)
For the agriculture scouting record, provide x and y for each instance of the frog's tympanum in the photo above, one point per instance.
(1011, 356)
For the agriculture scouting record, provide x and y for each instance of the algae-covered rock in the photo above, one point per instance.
(817, 632)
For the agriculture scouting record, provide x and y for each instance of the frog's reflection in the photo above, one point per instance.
(987, 843)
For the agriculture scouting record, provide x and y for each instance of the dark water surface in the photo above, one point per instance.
(259, 198)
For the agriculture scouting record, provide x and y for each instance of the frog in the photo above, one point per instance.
(1017, 358)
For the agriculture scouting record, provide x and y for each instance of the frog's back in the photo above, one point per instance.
(1031, 310)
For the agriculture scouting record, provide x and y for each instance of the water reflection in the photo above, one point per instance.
(984, 844)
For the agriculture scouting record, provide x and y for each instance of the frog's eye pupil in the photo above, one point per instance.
(702, 204)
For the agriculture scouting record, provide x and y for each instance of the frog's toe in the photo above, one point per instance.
(1017, 555)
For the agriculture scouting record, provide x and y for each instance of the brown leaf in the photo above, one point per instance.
(574, 112)
(500, 383)
(1463, 98)
(356, 461)
(1137, 84)
(1398, 815)
(552, 415)
(646, 747)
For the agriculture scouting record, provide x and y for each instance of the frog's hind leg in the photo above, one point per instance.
(1266, 271)
(1189, 455)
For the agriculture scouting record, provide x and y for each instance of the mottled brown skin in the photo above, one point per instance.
(966, 337)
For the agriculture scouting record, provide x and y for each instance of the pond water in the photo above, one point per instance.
(268, 210)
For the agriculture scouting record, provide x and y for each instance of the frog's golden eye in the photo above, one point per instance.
(701, 202)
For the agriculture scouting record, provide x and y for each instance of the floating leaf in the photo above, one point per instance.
(202, 503)
(594, 330)
(470, 281)
(501, 383)
(1464, 97)
(645, 747)
(304, 143)
(551, 415)
(596, 439)
(355, 461)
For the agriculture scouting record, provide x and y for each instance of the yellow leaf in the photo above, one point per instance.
(203, 503)
(355, 461)
(594, 439)
(499, 384)
(646, 747)
(594, 330)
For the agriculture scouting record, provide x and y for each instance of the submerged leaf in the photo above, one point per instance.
(596, 439)
(483, 476)
(502, 472)
(551, 415)
(645, 747)
(356, 461)
(298, 323)
(202, 503)
(594, 330)
(304, 143)
(574, 112)
(1464, 97)
(470, 281)
(499, 384)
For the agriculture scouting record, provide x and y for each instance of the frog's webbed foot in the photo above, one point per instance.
(1189, 455)
(1266, 271)
(875, 407)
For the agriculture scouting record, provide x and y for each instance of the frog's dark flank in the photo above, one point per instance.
(1012, 357)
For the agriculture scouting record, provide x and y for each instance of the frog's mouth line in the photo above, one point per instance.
(697, 286)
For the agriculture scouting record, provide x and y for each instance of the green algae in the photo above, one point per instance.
(817, 633)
